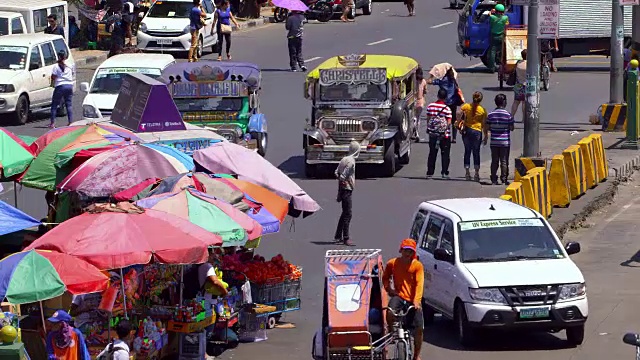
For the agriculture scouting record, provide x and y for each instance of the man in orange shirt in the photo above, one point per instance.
(408, 281)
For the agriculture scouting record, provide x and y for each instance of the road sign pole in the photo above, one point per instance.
(532, 114)
(636, 29)
(616, 76)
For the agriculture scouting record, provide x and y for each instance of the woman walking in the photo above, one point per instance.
(474, 117)
(223, 18)
(196, 17)
(62, 79)
(422, 91)
(519, 87)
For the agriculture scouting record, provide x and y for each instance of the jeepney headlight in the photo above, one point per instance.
(238, 132)
(328, 124)
(89, 111)
(571, 291)
(368, 125)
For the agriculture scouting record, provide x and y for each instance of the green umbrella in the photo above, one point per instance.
(15, 155)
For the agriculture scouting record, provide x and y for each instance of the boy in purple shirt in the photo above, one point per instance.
(500, 124)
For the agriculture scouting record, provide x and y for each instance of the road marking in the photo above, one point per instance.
(577, 63)
(474, 66)
(380, 41)
(441, 25)
(313, 59)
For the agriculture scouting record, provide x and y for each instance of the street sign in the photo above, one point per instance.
(548, 19)
(629, 2)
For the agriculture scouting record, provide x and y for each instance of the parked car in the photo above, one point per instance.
(165, 27)
(26, 62)
(493, 264)
(103, 90)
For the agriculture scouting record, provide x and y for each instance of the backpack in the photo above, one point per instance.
(110, 354)
(191, 282)
(437, 125)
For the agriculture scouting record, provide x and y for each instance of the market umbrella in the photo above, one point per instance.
(138, 191)
(119, 169)
(15, 154)
(293, 5)
(185, 159)
(276, 204)
(12, 219)
(38, 275)
(229, 158)
(218, 217)
(55, 149)
(118, 237)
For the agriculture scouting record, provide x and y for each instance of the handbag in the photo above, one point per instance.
(458, 96)
(225, 29)
(512, 79)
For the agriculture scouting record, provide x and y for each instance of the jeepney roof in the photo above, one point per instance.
(208, 70)
(397, 66)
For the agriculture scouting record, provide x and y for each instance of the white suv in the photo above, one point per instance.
(493, 264)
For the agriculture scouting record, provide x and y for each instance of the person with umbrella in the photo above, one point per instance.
(295, 27)
(65, 342)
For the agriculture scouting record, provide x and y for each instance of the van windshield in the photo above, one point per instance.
(354, 92)
(108, 81)
(507, 240)
(13, 57)
(170, 9)
(4, 26)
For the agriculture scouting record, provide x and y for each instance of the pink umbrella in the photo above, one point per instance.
(293, 5)
(228, 158)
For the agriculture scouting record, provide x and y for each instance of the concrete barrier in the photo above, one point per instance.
(588, 150)
(537, 192)
(524, 164)
(516, 192)
(574, 163)
(600, 154)
(559, 182)
(506, 197)
(615, 117)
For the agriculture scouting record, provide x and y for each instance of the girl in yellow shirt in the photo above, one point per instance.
(474, 117)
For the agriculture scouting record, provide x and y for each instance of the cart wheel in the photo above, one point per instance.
(272, 321)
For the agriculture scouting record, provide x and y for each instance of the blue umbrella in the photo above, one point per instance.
(12, 219)
(185, 159)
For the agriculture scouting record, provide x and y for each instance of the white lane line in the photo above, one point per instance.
(313, 59)
(474, 66)
(441, 25)
(380, 41)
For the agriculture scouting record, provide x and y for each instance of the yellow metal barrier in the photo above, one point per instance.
(601, 163)
(524, 164)
(559, 182)
(506, 197)
(588, 153)
(574, 163)
(516, 192)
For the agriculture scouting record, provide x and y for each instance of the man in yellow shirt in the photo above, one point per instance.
(408, 281)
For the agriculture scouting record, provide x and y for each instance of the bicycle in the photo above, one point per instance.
(401, 337)
(633, 340)
(545, 70)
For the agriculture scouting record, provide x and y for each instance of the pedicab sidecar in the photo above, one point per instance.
(353, 322)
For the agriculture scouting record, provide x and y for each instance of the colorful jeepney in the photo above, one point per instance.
(222, 97)
(365, 98)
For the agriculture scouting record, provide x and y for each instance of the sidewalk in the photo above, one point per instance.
(87, 57)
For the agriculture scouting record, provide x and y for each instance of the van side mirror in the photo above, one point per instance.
(443, 255)
(572, 248)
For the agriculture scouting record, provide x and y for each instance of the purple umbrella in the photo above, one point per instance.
(293, 5)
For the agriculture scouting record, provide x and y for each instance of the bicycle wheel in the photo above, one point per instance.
(546, 74)
(402, 350)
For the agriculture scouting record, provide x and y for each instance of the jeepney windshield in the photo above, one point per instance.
(354, 92)
(209, 104)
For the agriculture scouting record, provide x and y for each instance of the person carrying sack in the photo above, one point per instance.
(439, 129)
(223, 18)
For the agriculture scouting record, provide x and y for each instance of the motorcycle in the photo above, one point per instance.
(280, 14)
(321, 10)
(633, 340)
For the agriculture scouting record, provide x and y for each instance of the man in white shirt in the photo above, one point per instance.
(118, 350)
(207, 273)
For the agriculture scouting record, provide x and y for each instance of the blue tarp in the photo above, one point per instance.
(12, 219)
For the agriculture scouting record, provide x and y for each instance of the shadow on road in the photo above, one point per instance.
(294, 168)
(442, 334)
(634, 259)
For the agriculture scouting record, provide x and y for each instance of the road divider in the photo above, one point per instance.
(524, 164)
(614, 117)
(602, 164)
(576, 173)
(588, 154)
(516, 192)
(506, 197)
(559, 182)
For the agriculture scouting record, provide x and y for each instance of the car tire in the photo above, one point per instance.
(366, 10)
(428, 313)
(21, 116)
(263, 141)
(575, 335)
(200, 48)
(389, 165)
(464, 331)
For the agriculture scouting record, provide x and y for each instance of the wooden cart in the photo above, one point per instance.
(515, 40)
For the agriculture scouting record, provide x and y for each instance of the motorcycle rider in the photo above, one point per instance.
(407, 273)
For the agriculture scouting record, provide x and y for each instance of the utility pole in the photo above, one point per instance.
(532, 114)
(616, 76)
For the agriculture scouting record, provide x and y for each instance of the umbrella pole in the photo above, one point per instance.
(181, 283)
(124, 295)
(44, 324)
(15, 194)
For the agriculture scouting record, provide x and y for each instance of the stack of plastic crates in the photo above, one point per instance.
(284, 295)
(193, 346)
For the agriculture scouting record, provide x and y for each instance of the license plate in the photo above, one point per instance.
(534, 313)
(326, 156)
(165, 41)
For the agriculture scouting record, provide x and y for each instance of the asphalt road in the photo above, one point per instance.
(382, 207)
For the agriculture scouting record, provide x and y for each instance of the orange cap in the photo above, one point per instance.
(408, 244)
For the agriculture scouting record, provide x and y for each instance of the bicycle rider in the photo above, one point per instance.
(408, 281)
(546, 49)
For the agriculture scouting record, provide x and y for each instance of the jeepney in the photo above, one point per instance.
(365, 98)
(222, 97)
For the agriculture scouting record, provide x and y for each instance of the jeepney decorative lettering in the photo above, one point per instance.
(353, 60)
(330, 77)
(204, 116)
(208, 89)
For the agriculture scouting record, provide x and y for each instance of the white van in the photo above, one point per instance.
(12, 23)
(165, 27)
(103, 91)
(26, 62)
(35, 13)
(494, 264)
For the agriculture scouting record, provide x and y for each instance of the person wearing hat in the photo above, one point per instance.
(407, 274)
(498, 21)
(63, 341)
(346, 175)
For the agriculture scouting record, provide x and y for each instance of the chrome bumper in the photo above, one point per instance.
(332, 154)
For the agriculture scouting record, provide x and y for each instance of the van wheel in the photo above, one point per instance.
(485, 59)
(464, 331)
(389, 165)
(366, 10)
(575, 335)
(428, 314)
(200, 48)
(21, 116)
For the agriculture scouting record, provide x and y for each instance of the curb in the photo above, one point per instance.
(91, 59)
(251, 23)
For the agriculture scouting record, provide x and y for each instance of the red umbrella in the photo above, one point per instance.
(111, 240)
